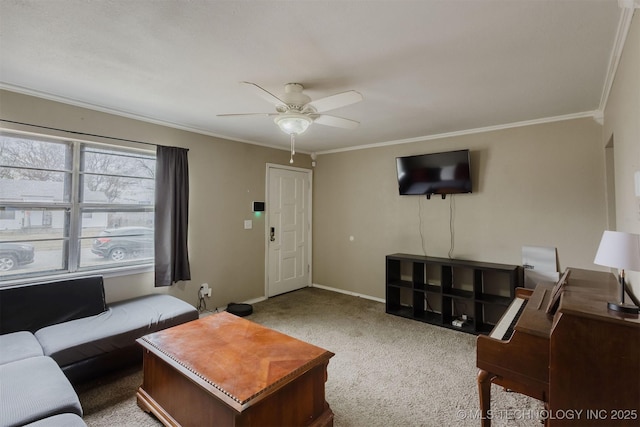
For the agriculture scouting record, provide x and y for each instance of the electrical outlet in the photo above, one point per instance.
(205, 290)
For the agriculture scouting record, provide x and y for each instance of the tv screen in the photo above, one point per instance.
(437, 173)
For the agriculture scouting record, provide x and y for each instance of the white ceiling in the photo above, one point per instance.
(424, 68)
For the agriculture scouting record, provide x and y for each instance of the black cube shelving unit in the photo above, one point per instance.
(441, 290)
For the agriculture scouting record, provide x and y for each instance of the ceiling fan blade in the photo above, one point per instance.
(246, 114)
(335, 101)
(265, 94)
(335, 121)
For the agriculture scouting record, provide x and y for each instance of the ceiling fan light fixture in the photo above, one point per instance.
(294, 110)
(293, 123)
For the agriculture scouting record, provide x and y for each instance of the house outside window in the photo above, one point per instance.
(70, 206)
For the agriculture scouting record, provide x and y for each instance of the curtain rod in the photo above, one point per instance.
(83, 133)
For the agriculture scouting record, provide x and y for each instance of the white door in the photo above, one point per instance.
(288, 229)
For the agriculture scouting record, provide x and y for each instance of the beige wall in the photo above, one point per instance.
(535, 185)
(539, 185)
(622, 126)
(225, 177)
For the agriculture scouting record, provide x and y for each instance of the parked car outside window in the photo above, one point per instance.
(42, 204)
(13, 255)
(118, 244)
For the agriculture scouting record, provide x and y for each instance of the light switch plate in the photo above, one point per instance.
(248, 224)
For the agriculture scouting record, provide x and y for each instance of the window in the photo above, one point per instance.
(73, 206)
(7, 214)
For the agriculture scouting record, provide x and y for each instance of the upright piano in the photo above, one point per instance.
(582, 361)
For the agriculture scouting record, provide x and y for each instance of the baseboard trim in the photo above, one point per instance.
(313, 285)
(342, 291)
(255, 300)
(224, 308)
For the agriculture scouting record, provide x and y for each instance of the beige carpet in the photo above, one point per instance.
(387, 371)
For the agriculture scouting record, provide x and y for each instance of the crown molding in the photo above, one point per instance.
(598, 116)
(129, 115)
(586, 114)
(628, 7)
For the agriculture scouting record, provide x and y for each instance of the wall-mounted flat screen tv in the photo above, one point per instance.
(436, 173)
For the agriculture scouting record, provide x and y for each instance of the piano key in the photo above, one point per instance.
(500, 329)
(512, 325)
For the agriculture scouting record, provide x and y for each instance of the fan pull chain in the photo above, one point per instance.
(293, 147)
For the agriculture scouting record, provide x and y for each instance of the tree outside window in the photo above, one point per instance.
(68, 206)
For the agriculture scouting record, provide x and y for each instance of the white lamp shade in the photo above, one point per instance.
(619, 249)
(293, 123)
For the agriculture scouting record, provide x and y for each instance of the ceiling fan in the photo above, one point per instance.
(295, 111)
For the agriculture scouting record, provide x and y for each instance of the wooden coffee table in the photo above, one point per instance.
(224, 370)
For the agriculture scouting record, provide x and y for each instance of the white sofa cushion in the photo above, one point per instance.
(18, 346)
(33, 389)
(116, 328)
(62, 420)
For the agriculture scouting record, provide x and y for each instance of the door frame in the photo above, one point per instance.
(309, 172)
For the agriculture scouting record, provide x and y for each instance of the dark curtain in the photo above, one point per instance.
(171, 216)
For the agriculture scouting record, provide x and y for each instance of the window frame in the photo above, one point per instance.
(73, 211)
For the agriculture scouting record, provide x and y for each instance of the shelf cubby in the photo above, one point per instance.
(440, 290)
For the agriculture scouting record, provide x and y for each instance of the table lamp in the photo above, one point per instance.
(620, 250)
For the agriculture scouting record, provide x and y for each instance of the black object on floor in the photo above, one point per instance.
(240, 310)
